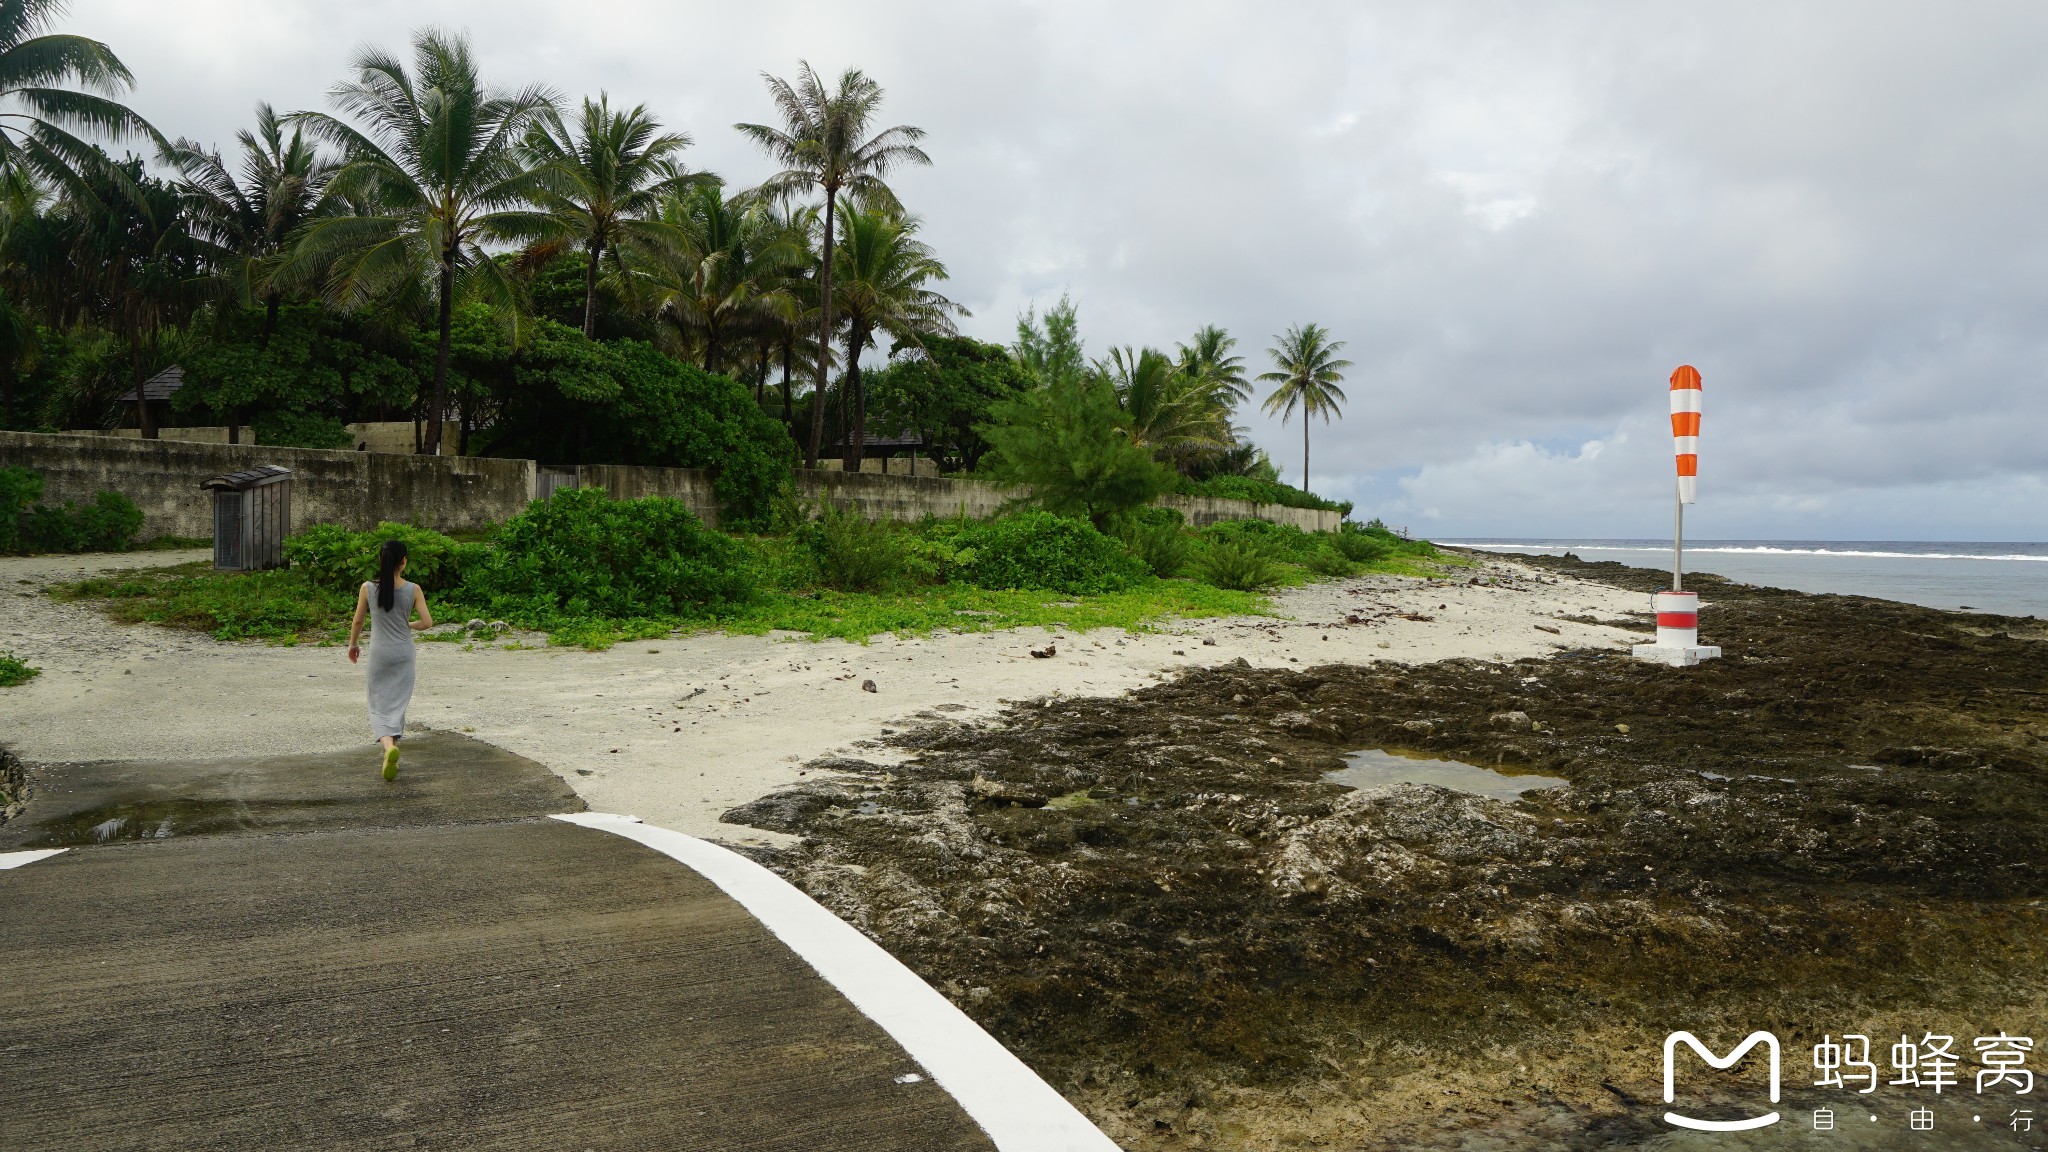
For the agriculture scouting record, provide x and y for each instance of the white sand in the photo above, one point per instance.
(677, 731)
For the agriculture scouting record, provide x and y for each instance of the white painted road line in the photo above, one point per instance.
(17, 859)
(1019, 1111)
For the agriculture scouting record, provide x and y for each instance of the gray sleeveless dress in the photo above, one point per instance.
(391, 660)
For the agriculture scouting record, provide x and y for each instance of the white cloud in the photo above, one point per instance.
(1521, 217)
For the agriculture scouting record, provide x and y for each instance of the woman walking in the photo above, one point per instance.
(390, 602)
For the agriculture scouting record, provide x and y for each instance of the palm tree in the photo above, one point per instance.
(247, 223)
(1307, 376)
(40, 104)
(1171, 412)
(711, 267)
(130, 262)
(883, 270)
(824, 144)
(1209, 360)
(602, 181)
(438, 170)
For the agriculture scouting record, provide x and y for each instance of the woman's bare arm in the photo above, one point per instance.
(419, 604)
(355, 628)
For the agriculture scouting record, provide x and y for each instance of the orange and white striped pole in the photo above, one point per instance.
(1678, 611)
(1685, 445)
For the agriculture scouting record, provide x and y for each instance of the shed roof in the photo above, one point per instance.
(159, 386)
(247, 478)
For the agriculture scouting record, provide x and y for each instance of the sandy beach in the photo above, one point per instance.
(678, 731)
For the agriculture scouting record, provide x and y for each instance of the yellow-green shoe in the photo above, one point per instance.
(391, 763)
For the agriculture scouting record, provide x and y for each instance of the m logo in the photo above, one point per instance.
(1691, 1041)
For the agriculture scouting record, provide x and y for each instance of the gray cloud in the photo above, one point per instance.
(1520, 216)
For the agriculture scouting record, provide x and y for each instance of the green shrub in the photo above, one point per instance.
(1260, 492)
(287, 429)
(1329, 562)
(1361, 547)
(1273, 541)
(335, 558)
(583, 555)
(853, 553)
(1053, 553)
(14, 673)
(108, 524)
(1237, 565)
(1155, 536)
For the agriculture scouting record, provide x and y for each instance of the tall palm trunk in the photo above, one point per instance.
(824, 334)
(856, 399)
(1304, 451)
(590, 291)
(761, 377)
(788, 405)
(431, 446)
(145, 422)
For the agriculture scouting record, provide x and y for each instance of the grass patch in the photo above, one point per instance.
(282, 606)
(173, 543)
(858, 616)
(14, 673)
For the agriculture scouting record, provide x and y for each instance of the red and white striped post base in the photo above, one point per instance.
(1678, 632)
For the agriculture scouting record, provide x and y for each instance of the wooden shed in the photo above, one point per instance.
(252, 514)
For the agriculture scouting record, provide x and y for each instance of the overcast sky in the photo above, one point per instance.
(1520, 216)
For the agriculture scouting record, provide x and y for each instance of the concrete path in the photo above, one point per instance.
(288, 953)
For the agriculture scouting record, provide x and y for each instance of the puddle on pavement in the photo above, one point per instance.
(1376, 768)
(148, 820)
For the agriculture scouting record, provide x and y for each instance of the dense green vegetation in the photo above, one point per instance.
(591, 570)
(108, 524)
(550, 278)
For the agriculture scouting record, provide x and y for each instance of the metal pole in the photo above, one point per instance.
(1678, 545)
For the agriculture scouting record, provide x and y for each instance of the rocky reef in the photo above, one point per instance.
(1160, 903)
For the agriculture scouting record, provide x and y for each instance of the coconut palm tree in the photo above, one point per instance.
(438, 170)
(823, 144)
(1208, 358)
(246, 223)
(883, 271)
(602, 181)
(1307, 372)
(128, 261)
(711, 267)
(41, 105)
(1173, 413)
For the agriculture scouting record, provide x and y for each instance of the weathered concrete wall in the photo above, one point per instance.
(207, 434)
(376, 436)
(449, 493)
(692, 486)
(1202, 511)
(880, 497)
(468, 493)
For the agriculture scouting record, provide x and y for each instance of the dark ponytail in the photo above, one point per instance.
(389, 557)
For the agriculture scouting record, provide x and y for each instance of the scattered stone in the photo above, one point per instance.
(1621, 728)
(1547, 628)
(868, 686)
(1208, 643)
(1513, 721)
(1045, 653)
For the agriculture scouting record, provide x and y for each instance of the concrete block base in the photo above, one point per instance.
(1677, 657)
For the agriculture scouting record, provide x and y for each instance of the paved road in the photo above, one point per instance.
(288, 953)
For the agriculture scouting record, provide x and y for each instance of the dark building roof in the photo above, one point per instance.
(247, 478)
(159, 386)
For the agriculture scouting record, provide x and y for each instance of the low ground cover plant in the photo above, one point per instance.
(14, 673)
(591, 571)
(108, 524)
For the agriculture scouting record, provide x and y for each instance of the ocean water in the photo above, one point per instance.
(2008, 579)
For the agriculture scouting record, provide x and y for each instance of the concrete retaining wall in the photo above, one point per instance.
(468, 493)
(448, 493)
